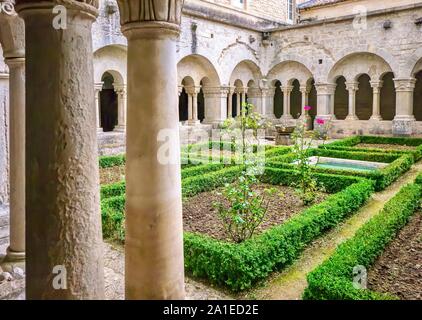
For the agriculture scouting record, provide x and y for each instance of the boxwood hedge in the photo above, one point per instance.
(333, 279)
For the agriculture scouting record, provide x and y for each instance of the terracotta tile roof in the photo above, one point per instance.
(317, 3)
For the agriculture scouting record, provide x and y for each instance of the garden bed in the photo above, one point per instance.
(111, 175)
(398, 270)
(334, 279)
(239, 266)
(200, 216)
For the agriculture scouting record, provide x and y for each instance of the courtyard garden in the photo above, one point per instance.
(346, 226)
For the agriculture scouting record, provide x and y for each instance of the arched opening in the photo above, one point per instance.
(237, 98)
(183, 106)
(417, 98)
(364, 98)
(388, 97)
(108, 103)
(341, 99)
(201, 105)
(296, 100)
(278, 100)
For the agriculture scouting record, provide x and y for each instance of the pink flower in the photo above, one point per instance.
(308, 108)
(320, 121)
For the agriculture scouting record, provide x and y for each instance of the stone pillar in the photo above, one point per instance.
(352, 87)
(16, 249)
(305, 90)
(268, 103)
(286, 103)
(325, 96)
(154, 227)
(404, 121)
(215, 105)
(121, 107)
(63, 221)
(14, 54)
(195, 105)
(189, 92)
(238, 102)
(376, 105)
(230, 103)
(98, 89)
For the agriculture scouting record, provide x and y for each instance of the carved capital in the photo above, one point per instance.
(7, 7)
(89, 7)
(352, 86)
(151, 15)
(325, 88)
(405, 85)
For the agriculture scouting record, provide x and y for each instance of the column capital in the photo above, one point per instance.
(352, 86)
(325, 88)
(268, 92)
(405, 84)
(287, 88)
(254, 92)
(305, 89)
(15, 62)
(150, 17)
(377, 83)
(98, 86)
(120, 89)
(7, 7)
(89, 7)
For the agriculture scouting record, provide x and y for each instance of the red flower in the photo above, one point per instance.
(320, 121)
(308, 108)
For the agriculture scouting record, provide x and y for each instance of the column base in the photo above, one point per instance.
(120, 128)
(287, 117)
(351, 118)
(13, 256)
(375, 118)
(100, 130)
(404, 125)
(193, 122)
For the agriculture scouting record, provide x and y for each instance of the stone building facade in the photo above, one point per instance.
(360, 71)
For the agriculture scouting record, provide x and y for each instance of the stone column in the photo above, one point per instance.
(154, 265)
(215, 105)
(195, 105)
(190, 92)
(305, 90)
(268, 103)
(16, 249)
(238, 102)
(404, 121)
(14, 54)
(121, 108)
(230, 103)
(376, 105)
(98, 89)
(63, 222)
(286, 103)
(325, 96)
(352, 87)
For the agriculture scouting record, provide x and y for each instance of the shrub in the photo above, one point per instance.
(333, 279)
(239, 266)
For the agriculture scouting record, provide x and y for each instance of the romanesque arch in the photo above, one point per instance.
(353, 65)
(288, 71)
(388, 97)
(364, 97)
(108, 58)
(341, 99)
(198, 67)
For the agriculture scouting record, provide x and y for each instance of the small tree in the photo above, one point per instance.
(247, 209)
(306, 186)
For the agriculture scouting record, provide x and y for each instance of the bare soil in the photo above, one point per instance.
(384, 146)
(112, 175)
(200, 216)
(398, 270)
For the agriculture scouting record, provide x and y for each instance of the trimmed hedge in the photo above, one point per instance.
(239, 266)
(399, 164)
(333, 279)
(349, 144)
(112, 161)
